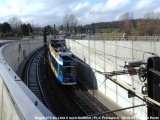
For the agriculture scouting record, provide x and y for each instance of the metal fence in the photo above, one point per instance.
(120, 38)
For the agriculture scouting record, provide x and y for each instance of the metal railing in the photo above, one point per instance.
(17, 101)
(119, 38)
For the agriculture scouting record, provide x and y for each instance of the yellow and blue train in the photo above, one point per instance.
(63, 62)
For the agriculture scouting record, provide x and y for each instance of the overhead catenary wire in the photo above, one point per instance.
(147, 52)
(94, 72)
(128, 108)
(105, 59)
(101, 72)
(94, 68)
(119, 46)
(100, 52)
(107, 112)
(100, 57)
(95, 52)
(49, 63)
(68, 81)
(107, 62)
(128, 48)
(144, 52)
(90, 67)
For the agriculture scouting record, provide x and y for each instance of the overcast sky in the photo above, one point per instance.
(50, 12)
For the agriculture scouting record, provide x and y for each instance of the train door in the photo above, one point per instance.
(69, 74)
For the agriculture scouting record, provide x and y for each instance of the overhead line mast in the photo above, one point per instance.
(149, 71)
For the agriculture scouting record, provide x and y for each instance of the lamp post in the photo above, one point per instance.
(29, 29)
(86, 30)
(54, 32)
(81, 31)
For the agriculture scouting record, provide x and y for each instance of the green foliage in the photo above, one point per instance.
(5, 30)
(5, 27)
(30, 28)
(49, 30)
(107, 30)
(25, 29)
(0, 27)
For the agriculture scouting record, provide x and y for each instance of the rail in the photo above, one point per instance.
(33, 82)
(108, 56)
(17, 101)
(86, 104)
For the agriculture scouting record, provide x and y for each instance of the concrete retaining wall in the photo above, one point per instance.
(109, 56)
(17, 101)
(8, 110)
(16, 52)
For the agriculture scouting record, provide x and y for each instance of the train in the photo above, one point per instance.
(62, 62)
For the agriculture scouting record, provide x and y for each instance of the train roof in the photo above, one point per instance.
(60, 47)
(65, 53)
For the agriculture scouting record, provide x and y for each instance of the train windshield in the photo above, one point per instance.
(69, 70)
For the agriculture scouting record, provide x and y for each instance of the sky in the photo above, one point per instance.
(50, 12)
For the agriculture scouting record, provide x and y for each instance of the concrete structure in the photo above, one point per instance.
(109, 56)
(17, 101)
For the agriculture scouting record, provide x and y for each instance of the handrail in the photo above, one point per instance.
(19, 94)
(119, 38)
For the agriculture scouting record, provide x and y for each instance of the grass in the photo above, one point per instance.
(108, 30)
(119, 36)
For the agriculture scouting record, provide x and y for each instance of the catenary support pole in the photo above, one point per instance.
(45, 53)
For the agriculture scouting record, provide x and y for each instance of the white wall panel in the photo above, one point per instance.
(109, 56)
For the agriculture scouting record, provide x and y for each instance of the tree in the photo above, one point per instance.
(30, 29)
(0, 27)
(36, 29)
(70, 22)
(73, 21)
(5, 27)
(1, 33)
(25, 30)
(157, 26)
(149, 25)
(66, 22)
(141, 27)
(126, 22)
(49, 29)
(16, 23)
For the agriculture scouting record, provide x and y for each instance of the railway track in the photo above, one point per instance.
(63, 101)
(71, 101)
(84, 103)
(33, 78)
(87, 105)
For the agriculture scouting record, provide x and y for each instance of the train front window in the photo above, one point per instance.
(69, 70)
